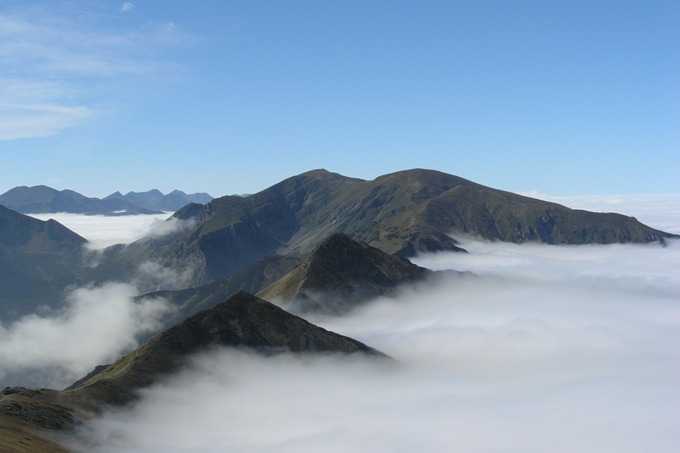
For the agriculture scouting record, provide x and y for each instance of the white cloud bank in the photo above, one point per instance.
(660, 211)
(104, 231)
(97, 325)
(550, 348)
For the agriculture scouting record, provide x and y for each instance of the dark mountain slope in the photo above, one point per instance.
(38, 260)
(401, 213)
(242, 321)
(251, 279)
(234, 232)
(339, 275)
(498, 215)
(36, 420)
(43, 199)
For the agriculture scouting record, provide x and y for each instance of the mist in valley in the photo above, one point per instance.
(547, 348)
(97, 323)
(544, 348)
(104, 231)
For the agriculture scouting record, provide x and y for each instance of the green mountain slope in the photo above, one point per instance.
(36, 419)
(401, 213)
(241, 321)
(339, 275)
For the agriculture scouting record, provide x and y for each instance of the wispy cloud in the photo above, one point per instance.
(169, 226)
(53, 65)
(127, 6)
(39, 120)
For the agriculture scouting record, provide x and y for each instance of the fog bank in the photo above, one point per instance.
(104, 231)
(550, 348)
(56, 348)
(660, 211)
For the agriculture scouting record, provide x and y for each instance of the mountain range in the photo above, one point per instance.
(155, 200)
(248, 242)
(43, 199)
(318, 243)
(403, 214)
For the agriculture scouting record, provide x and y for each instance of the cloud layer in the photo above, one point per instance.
(547, 349)
(661, 211)
(104, 231)
(98, 324)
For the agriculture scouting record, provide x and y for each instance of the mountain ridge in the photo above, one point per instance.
(43, 199)
(243, 320)
(39, 419)
(154, 199)
(339, 275)
(402, 213)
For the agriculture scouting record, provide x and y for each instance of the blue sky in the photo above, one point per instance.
(563, 98)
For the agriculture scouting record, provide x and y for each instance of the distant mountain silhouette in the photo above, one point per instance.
(155, 200)
(43, 199)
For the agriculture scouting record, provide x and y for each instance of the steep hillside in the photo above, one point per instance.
(38, 260)
(252, 279)
(339, 275)
(241, 321)
(38, 419)
(401, 213)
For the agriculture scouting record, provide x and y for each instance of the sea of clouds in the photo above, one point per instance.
(96, 326)
(546, 348)
(98, 323)
(559, 360)
(104, 231)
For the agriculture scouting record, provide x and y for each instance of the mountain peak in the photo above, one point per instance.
(340, 274)
(243, 320)
(115, 195)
